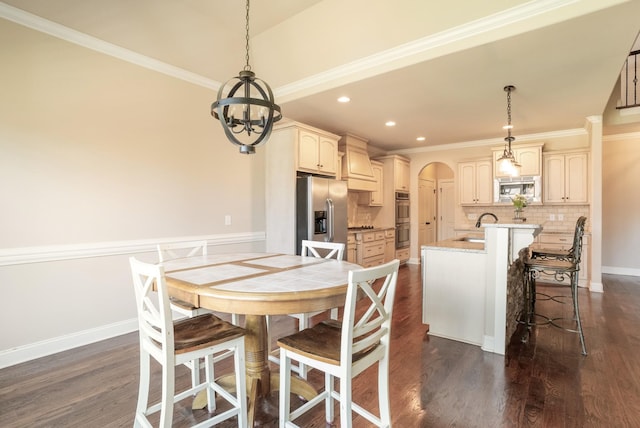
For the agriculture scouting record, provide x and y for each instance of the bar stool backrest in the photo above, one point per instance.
(576, 250)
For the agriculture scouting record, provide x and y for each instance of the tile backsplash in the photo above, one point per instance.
(564, 217)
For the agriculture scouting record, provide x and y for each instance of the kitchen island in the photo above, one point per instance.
(465, 282)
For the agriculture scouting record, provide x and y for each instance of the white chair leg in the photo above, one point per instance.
(345, 402)
(143, 388)
(241, 385)
(285, 381)
(168, 391)
(194, 366)
(210, 377)
(328, 403)
(303, 322)
(383, 392)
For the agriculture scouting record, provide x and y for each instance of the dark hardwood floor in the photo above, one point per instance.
(434, 382)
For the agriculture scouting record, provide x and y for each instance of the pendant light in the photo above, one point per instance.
(247, 118)
(507, 164)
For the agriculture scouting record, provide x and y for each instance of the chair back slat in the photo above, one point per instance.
(576, 250)
(155, 321)
(181, 249)
(332, 249)
(364, 329)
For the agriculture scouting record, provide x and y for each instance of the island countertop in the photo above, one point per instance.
(456, 244)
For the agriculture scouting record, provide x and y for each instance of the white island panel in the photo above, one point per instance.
(454, 293)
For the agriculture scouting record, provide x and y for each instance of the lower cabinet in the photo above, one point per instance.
(351, 248)
(372, 248)
(403, 254)
(389, 245)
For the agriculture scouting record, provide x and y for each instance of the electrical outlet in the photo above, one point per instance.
(560, 217)
(472, 216)
(552, 217)
(227, 220)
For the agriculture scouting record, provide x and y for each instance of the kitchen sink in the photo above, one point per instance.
(471, 239)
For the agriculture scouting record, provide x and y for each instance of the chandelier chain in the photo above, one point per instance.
(247, 67)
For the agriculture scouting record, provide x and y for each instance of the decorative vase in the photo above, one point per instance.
(518, 215)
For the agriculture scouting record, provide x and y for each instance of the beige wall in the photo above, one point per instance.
(621, 204)
(96, 150)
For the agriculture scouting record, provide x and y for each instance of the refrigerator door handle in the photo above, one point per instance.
(330, 220)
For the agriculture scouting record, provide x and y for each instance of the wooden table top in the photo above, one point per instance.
(259, 283)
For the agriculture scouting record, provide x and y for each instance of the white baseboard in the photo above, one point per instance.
(620, 270)
(54, 345)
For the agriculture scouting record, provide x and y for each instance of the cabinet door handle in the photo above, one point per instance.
(428, 222)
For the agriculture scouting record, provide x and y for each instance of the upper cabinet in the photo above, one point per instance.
(475, 182)
(566, 179)
(401, 174)
(317, 153)
(292, 147)
(375, 197)
(529, 156)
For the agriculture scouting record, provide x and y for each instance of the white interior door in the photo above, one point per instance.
(446, 210)
(427, 212)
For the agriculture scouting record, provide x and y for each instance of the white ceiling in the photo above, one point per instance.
(436, 68)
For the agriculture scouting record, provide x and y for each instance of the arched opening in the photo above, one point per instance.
(436, 203)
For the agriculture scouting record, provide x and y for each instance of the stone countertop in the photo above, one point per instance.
(456, 244)
(375, 229)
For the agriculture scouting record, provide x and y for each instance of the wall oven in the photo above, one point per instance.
(402, 235)
(402, 207)
(402, 220)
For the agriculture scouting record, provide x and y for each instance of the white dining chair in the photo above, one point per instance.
(171, 251)
(318, 249)
(346, 349)
(173, 343)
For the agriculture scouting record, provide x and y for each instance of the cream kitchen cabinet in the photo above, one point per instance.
(317, 153)
(389, 245)
(566, 179)
(282, 161)
(371, 248)
(528, 156)
(374, 198)
(351, 248)
(475, 182)
(401, 174)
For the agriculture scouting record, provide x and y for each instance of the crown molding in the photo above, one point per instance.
(415, 51)
(37, 23)
(493, 141)
(620, 137)
(399, 56)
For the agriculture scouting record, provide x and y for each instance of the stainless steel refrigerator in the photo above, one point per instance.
(321, 212)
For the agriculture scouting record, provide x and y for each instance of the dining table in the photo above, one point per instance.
(259, 284)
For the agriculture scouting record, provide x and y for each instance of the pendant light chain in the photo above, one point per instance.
(247, 67)
(509, 116)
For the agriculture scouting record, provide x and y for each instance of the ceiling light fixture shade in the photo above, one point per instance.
(507, 163)
(247, 118)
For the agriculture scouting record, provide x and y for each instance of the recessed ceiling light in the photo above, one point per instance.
(420, 138)
(390, 123)
(344, 99)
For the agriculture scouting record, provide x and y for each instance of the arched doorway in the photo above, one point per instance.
(436, 203)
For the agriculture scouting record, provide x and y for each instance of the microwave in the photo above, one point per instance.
(506, 188)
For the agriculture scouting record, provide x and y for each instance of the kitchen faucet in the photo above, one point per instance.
(479, 222)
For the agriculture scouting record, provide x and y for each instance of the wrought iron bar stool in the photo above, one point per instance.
(560, 265)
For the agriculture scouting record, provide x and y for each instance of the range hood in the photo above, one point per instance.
(356, 165)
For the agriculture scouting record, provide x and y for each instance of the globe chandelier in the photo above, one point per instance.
(245, 106)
